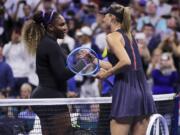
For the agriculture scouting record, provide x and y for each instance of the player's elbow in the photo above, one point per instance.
(109, 66)
(126, 62)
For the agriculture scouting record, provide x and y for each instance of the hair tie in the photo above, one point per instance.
(50, 18)
(122, 17)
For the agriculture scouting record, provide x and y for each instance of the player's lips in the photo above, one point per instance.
(65, 31)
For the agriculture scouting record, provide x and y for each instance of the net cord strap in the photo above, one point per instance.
(71, 101)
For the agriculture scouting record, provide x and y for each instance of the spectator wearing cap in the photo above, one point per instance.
(88, 85)
(85, 39)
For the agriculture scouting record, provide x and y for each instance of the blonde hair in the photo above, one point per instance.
(125, 21)
(26, 86)
(32, 33)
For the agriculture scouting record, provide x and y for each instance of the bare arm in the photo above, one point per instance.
(115, 43)
(104, 64)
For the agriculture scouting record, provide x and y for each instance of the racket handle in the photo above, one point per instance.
(80, 65)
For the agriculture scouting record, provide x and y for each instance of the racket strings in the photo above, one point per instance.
(81, 61)
(158, 128)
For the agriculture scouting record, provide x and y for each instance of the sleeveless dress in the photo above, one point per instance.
(131, 96)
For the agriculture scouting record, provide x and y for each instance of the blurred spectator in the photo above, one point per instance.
(73, 24)
(11, 6)
(33, 79)
(45, 5)
(27, 10)
(89, 86)
(25, 91)
(175, 12)
(16, 56)
(151, 38)
(166, 77)
(6, 76)
(26, 114)
(151, 17)
(171, 44)
(163, 8)
(172, 23)
(84, 36)
(143, 49)
(5, 23)
(155, 62)
(3, 110)
(100, 31)
(88, 13)
(96, 26)
(72, 90)
(68, 41)
(63, 7)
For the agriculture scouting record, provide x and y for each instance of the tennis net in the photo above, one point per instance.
(71, 116)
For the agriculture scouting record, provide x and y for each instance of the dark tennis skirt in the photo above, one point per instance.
(131, 96)
(48, 110)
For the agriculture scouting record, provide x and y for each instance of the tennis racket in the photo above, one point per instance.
(81, 61)
(157, 125)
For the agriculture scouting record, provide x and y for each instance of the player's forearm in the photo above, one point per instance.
(115, 69)
(103, 64)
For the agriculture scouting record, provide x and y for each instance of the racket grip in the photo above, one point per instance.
(79, 65)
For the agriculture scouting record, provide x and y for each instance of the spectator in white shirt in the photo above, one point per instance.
(163, 8)
(16, 56)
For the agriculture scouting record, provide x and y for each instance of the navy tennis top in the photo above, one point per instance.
(133, 53)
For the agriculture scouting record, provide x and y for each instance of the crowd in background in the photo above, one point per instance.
(155, 26)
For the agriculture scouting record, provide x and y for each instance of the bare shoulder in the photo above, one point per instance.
(115, 37)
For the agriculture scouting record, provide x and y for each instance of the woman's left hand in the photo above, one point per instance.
(102, 74)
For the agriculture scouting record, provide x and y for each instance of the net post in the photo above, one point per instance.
(175, 119)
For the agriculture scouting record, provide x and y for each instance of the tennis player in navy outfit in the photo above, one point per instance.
(132, 101)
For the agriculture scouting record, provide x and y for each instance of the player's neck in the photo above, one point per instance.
(52, 35)
(115, 27)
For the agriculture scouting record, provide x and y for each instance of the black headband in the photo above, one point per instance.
(119, 16)
(47, 19)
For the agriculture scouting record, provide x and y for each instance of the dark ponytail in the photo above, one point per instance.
(33, 31)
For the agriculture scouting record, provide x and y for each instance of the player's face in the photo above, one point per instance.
(60, 27)
(107, 19)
